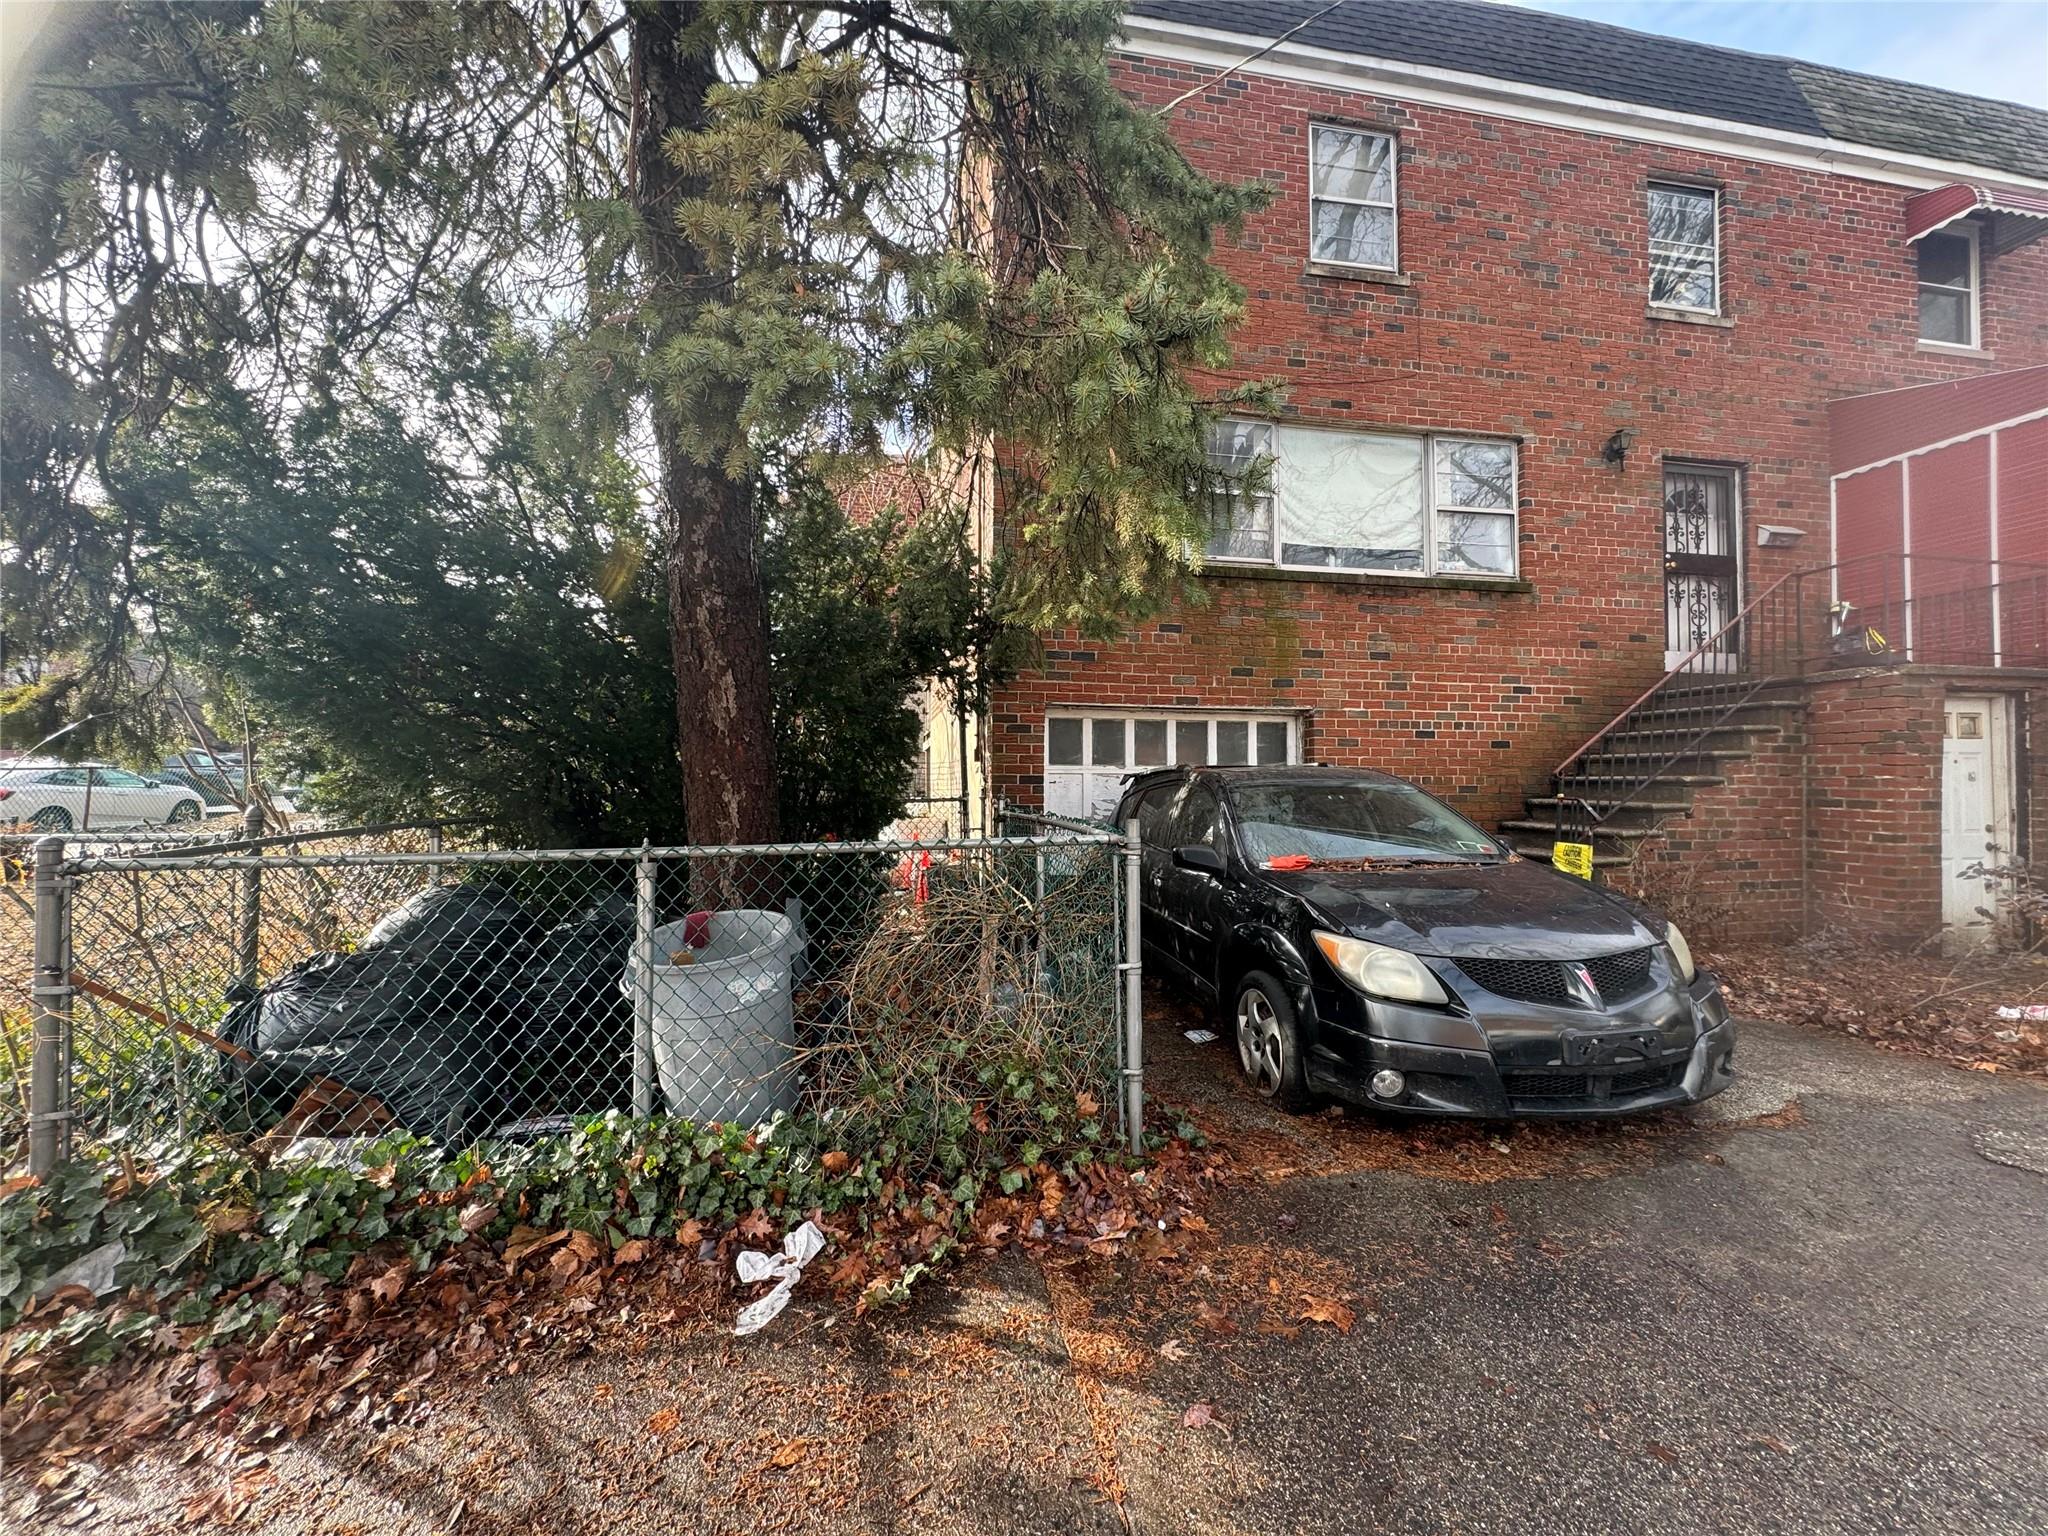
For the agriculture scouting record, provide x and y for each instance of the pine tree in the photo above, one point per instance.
(808, 233)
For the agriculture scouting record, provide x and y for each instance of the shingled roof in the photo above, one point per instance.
(1592, 58)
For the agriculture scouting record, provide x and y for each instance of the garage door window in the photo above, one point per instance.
(1087, 757)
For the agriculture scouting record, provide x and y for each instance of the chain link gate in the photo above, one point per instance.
(264, 989)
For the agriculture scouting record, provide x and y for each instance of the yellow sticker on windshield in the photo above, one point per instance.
(1573, 858)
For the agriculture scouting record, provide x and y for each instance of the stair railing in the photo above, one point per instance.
(1882, 609)
(1764, 641)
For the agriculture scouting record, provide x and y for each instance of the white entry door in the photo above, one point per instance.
(1976, 813)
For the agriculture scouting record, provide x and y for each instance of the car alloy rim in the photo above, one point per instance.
(1259, 1045)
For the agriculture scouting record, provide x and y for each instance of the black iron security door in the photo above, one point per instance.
(1701, 568)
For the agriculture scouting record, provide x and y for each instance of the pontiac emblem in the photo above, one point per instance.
(1583, 984)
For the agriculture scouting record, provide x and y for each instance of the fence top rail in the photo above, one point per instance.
(203, 859)
(171, 842)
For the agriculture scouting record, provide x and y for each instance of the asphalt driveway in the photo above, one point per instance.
(1818, 1304)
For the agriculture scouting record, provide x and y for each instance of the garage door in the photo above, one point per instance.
(1089, 754)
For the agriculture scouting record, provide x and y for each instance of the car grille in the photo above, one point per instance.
(1582, 1085)
(1533, 981)
(1619, 977)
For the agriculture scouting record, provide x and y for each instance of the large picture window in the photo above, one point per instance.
(1352, 219)
(1361, 501)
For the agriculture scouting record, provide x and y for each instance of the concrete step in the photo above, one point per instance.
(1656, 714)
(1659, 740)
(1632, 819)
(1606, 838)
(1584, 784)
(1539, 850)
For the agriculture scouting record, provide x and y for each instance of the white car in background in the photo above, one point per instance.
(91, 797)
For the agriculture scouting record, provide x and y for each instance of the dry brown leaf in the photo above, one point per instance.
(759, 1227)
(836, 1161)
(663, 1421)
(385, 1287)
(526, 1241)
(789, 1453)
(632, 1251)
(1325, 1309)
(1198, 1416)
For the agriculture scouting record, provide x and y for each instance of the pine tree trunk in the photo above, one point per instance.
(718, 625)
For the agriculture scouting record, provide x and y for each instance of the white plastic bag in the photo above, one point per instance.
(784, 1268)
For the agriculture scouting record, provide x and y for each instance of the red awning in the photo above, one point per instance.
(2017, 217)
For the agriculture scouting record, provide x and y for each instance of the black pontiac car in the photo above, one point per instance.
(1364, 940)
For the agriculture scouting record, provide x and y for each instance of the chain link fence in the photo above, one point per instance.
(309, 985)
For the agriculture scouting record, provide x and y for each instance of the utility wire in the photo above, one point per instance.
(1250, 58)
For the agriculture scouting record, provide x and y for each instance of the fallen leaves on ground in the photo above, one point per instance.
(1322, 1309)
(1199, 1416)
(1919, 1002)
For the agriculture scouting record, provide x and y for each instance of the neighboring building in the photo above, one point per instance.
(1562, 311)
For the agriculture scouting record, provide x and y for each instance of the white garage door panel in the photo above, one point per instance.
(1089, 754)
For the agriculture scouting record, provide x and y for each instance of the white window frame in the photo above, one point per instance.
(1430, 509)
(1967, 231)
(1650, 251)
(1088, 769)
(1392, 205)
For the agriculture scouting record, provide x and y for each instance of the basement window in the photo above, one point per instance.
(1403, 504)
(1352, 222)
(1685, 248)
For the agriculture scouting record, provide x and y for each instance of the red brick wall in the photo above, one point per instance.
(1525, 314)
(1874, 834)
(1730, 872)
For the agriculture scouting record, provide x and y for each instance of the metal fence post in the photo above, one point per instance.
(249, 936)
(49, 1092)
(434, 845)
(643, 983)
(1134, 992)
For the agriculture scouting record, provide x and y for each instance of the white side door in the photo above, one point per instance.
(1976, 814)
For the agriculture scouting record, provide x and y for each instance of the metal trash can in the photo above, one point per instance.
(724, 1025)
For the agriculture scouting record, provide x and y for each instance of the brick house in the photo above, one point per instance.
(1569, 316)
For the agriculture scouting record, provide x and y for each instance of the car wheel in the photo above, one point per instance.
(1269, 1042)
(51, 818)
(183, 814)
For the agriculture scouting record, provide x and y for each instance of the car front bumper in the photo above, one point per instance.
(1525, 1079)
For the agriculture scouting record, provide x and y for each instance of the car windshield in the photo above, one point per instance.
(1335, 823)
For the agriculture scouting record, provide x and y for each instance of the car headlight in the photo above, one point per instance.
(1380, 969)
(1681, 952)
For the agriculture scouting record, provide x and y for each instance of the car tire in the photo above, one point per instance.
(1268, 1038)
(185, 813)
(51, 818)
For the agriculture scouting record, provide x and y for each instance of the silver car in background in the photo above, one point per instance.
(94, 797)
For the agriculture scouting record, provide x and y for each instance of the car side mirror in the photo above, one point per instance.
(153, 783)
(1199, 857)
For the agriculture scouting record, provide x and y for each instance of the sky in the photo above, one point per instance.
(1984, 47)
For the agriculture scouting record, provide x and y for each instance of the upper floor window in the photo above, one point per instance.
(1685, 248)
(1363, 501)
(1351, 197)
(1948, 286)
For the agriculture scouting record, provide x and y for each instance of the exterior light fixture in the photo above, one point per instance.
(1616, 451)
